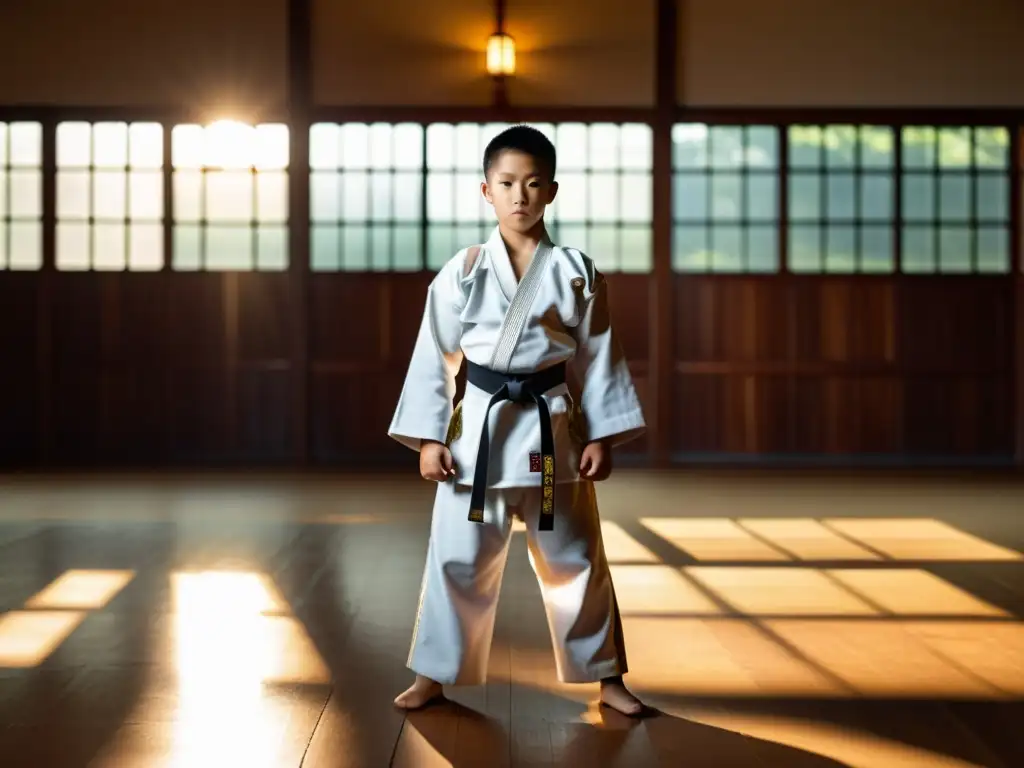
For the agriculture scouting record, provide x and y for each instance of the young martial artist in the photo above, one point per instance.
(528, 317)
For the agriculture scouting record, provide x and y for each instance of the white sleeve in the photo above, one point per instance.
(609, 401)
(425, 404)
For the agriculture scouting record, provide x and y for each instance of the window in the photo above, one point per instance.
(841, 198)
(110, 194)
(956, 199)
(21, 196)
(407, 197)
(603, 206)
(725, 198)
(230, 196)
(366, 197)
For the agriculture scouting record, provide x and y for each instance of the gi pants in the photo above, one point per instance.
(463, 573)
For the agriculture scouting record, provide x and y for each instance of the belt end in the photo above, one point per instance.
(476, 515)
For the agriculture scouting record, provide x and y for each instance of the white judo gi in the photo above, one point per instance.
(557, 313)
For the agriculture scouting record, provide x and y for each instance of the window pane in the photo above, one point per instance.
(636, 197)
(146, 195)
(993, 249)
(955, 197)
(146, 145)
(919, 249)
(954, 147)
(408, 248)
(805, 249)
(441, 245)
(689, 145)
(188, 196)
(325, 248)
(840, 146)
(635, 249)
(74, 145)
(955, 249)
(726, 196)
(877, 145)
(109, 246)
(805, 192)
(842, 196)
(690, 196)
(763, 249)
(992, 147)
(993, 198)
(73, 195)
(26, 245)
(188, 247)
(727, 146)
(603, 247)
(603, 197)
(805, 146)
(110, 145)
(762, 197)
(690, 251)
(324, 146)
(727, 249)
(919, 147)
(73, 247)
(841, 249)
(324, 197)
(762, 146)
(876, 193)
(26, 197)
(4, 264)
(876, 249)
(229, 196)
(636, 147)
(145, 247)
(229, 248)
(110, 195)
(272, 247)
(918, 197)
(272, 196)
(408, 196)
(26, 140)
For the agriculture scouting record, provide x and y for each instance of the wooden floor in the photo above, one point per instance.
(772, 618)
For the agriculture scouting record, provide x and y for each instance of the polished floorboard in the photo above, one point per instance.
(263, 620)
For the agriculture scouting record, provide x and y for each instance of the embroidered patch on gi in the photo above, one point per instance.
(576, 283)
(534, 461)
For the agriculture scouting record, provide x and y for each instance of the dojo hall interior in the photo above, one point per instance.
(218, 221)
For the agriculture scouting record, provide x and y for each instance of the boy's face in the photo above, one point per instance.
(519, 189)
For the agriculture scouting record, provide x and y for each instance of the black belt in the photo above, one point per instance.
(521, 389)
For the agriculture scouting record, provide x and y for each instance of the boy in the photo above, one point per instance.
(524, 314)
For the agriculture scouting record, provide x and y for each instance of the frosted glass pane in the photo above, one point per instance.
(408, 249)
(762, 147)
(603, 247)
(840, 146)
(3, 190)
(109, 247)
(381, 196)
(440, 245)
(573, 236)
(571, 201)
(188, 196)
(993, 198)
(272, 248)
(145, 247)
(726, 196)
(636, 197)
(187, 247)
(229, 196)
(918, 147)
(842, 195)
(954, 147)
(110, 145)
(469, 149)
(571, 143)
(918, 249)
(440, 197)
(876, 250)
(381, 146)
(604, 197)
(229, 248)
(468, 205)
(690, 252)
(727, 147)
(604, 146)
(272, 196)
(877, 145)
(440, 146)
(110, 196)
(146, 145)
(637, 147)
(408, 146)
(805, 197)
(355, 247)
(690, 196)
(762, 249)
(955, 197)
(187, 146)
(26, 140)
(324, 146)
(355, 196)
(26, 248)
(74, 145)
(408, 196)
(146, 195)
(3, 144)
(689, 150)
(72, 246)
(325, 196)
(355, 145)
(841, 249)
(992, 147)
(26, 200)
(325, 245)
(271, 145)
(635, 251)
(72, 194)
(380, 248)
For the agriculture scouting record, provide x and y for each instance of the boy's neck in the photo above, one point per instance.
(523, 244)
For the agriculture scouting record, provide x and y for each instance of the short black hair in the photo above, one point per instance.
(526, 139)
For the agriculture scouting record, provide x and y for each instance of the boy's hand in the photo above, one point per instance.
(596, 461)
(436, 461)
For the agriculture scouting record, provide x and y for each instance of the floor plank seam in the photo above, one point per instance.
(316, 726)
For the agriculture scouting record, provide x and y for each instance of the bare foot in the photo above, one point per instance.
(615, 695)
(419, 693)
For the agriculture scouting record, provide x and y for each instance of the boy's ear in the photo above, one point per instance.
(485, 190)
(553, 191)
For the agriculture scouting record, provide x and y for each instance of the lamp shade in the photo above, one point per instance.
(501, 55)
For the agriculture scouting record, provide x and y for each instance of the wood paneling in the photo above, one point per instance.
(897, 367)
